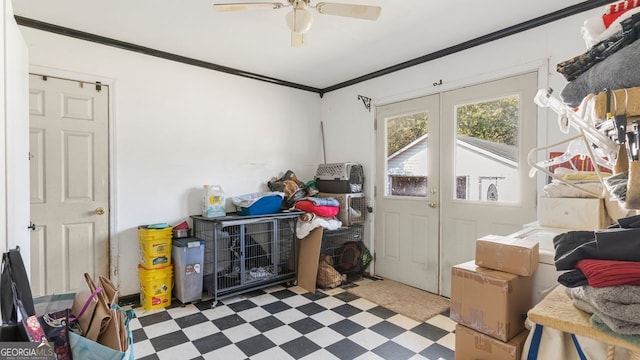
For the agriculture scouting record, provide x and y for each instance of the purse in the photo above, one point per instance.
(55, 326)
(15, 296)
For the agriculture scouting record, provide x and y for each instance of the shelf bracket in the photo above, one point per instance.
(366, 101)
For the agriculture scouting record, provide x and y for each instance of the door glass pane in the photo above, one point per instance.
(486, 151)
(406, 157)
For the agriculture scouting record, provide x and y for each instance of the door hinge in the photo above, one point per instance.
(375, 124)
(98, 86)
(374, 256)
(30, 155)
(375, 191)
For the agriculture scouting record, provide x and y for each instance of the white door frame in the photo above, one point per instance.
(113, 236)
(540, 65)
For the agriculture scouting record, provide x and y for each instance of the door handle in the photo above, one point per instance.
(100, 211)
(433, 204)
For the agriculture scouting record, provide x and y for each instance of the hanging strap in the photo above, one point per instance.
(535, 343)
(534, 347)
(86, 304)
(578, 348)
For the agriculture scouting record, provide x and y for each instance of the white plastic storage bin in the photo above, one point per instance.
(188, 259)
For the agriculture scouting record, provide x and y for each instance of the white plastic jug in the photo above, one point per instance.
(213, 201)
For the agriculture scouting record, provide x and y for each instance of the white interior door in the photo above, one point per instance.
(485, 184)
(69, 183)
(461, 177)
(407, 191)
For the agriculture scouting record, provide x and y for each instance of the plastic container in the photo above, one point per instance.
(188, 259)
(258, 203)
(155, 247)
(155, 287)
(213, 201)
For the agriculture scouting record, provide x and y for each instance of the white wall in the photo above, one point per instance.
(3, 123)
(14, 168)
(176, 127)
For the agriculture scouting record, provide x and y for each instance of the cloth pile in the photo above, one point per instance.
(318, 212)
(603, 276)
(588, 184)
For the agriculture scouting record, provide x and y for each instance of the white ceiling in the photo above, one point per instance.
(338, 49)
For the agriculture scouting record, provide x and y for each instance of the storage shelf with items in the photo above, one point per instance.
(244, 253)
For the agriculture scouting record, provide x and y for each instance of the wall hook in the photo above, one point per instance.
(366, 101)
(437, 83)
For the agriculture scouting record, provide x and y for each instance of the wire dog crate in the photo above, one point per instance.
(345, 246)
(244, 253)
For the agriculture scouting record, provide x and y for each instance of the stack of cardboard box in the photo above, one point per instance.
(490, 297)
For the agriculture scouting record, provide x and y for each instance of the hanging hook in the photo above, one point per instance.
(366, 101)
(437, 83)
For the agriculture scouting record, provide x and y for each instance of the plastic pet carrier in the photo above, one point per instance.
(353, 207)
(340, 178)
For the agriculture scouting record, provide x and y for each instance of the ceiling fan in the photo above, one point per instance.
(299, 19)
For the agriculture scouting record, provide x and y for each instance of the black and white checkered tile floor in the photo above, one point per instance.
(289, 323)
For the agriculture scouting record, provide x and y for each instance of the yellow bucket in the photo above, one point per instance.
(155, 287)
(155, 247)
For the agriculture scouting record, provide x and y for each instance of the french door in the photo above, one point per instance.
(450, 168)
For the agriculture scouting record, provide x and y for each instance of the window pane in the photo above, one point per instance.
(407, 155)
(486, 151)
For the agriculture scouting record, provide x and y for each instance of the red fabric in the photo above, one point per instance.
(615, 10)
(622, 6)
(325, 211)
(601, 273)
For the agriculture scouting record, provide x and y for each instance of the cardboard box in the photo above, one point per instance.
(473, 345)
(490, 301)
(309, 253)
(508, 254)
(573, 213)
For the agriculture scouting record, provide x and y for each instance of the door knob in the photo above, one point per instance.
(433, 204)
(100, 211)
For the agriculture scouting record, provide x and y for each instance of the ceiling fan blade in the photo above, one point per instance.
(297, 39)
(247, 6)
(349, 10)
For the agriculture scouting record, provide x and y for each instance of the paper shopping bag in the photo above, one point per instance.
(96, 316)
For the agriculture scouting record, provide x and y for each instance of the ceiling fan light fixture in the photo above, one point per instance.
(299, 20)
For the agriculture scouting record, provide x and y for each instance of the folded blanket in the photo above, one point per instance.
(618, 71)
(328, 201)
(617, 244)
(309, 221)
(598, 324)
(572, 246)
(557, 189)
(603, 273)
(573, 278)
(617, 306)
